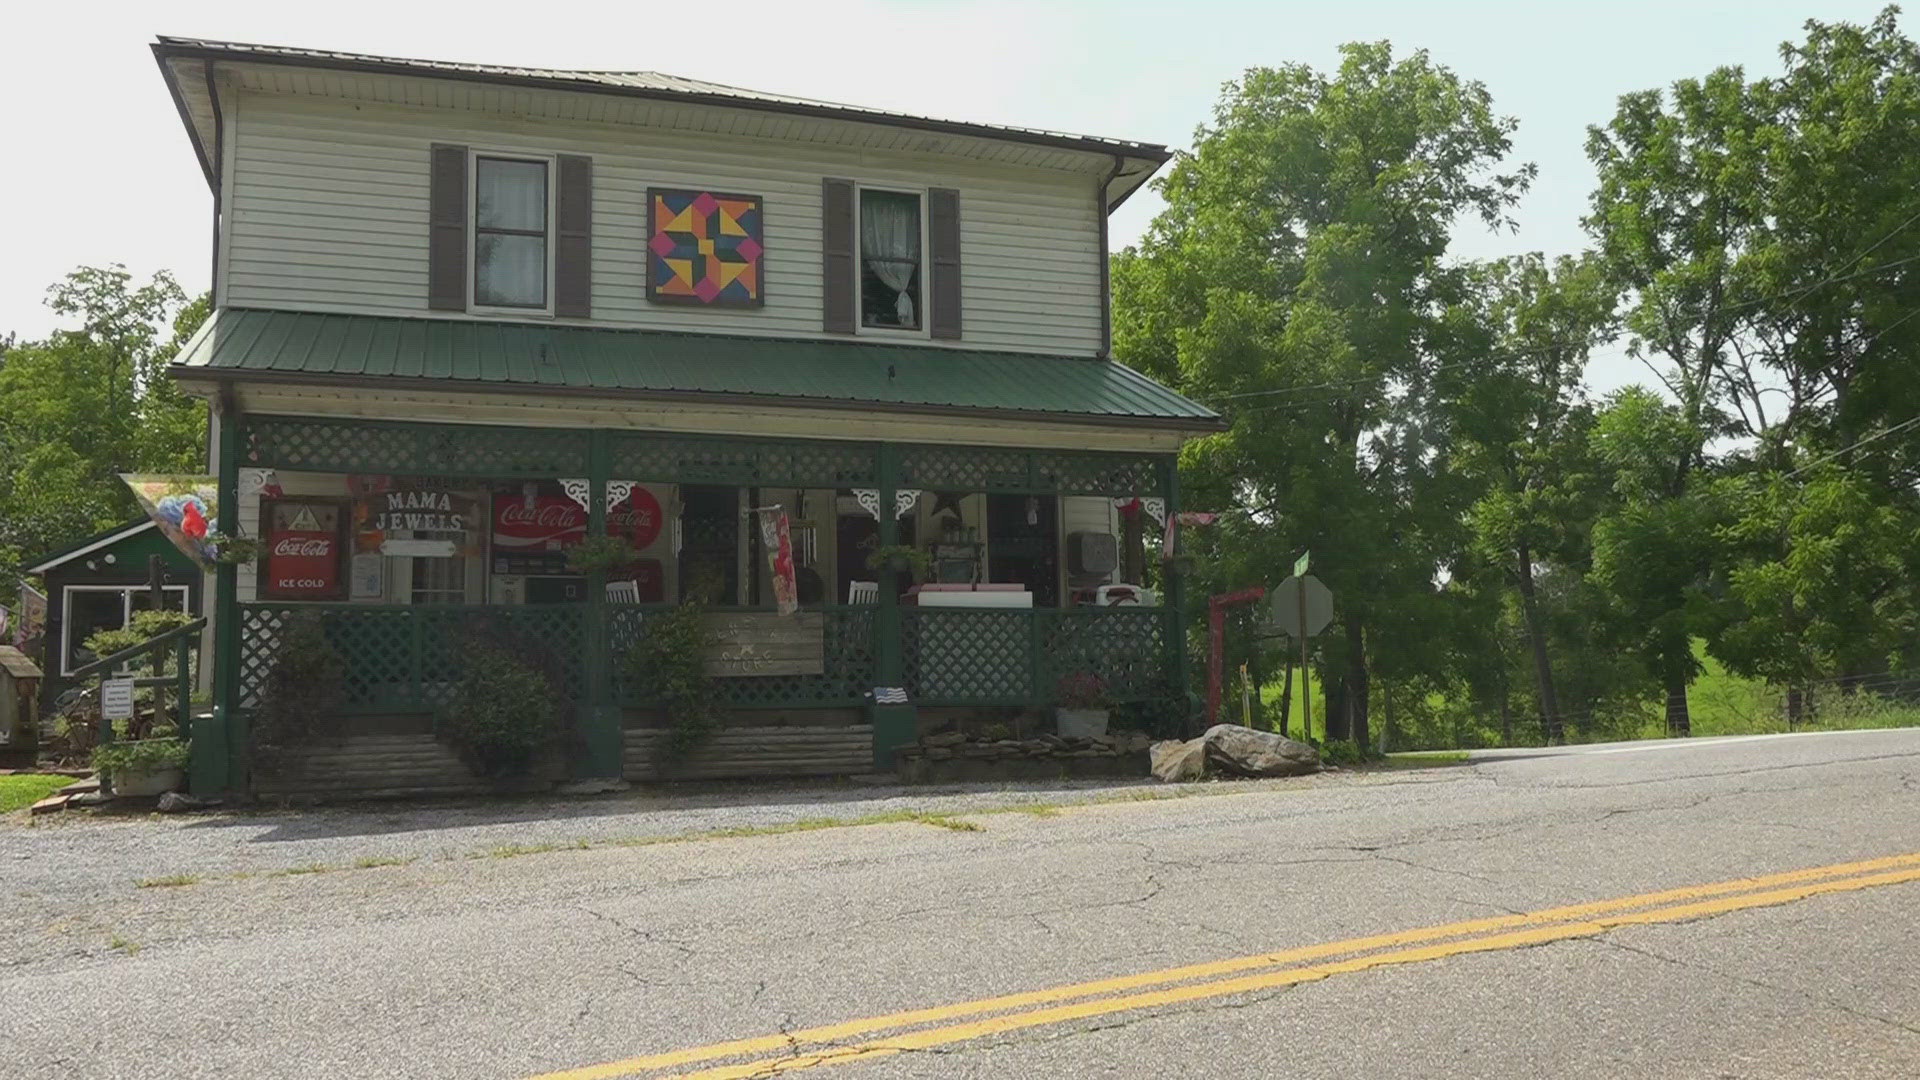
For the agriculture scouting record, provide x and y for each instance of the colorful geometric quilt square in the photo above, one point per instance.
(704, 248)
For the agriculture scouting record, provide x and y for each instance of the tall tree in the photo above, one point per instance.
(1519, 427)
(1295, 279)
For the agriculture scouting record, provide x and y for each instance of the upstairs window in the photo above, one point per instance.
(511, 225)
(890, 264)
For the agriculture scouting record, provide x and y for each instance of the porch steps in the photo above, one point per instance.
(753, 752)
(378, 766)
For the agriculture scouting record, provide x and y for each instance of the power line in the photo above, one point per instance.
(1902, 425)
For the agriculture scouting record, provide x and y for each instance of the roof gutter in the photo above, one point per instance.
(227, 377)
(1103, 209)
(1157, 154)
(219, 159)
(160, 57)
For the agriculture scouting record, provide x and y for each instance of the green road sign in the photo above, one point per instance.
(1300, 564)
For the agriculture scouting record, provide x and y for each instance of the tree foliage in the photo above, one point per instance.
(1493, 535)
(83, 405)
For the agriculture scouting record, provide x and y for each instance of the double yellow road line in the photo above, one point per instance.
(922, 1029)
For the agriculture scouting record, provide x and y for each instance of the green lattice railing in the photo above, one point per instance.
(987, 656)
(403, 659)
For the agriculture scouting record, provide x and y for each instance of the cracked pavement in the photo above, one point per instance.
(453, 965)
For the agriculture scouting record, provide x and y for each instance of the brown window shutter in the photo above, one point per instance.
(943, 242)
(573, 221)
(839, 276)
(447, 236)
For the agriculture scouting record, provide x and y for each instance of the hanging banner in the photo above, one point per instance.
(777, 539)
(1177, 520)
(184, 507)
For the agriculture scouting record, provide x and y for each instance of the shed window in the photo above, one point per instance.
(890, 265)
(511, 219)
(89, 609)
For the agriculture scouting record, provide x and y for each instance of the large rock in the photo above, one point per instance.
(1176, 762)
(1241, 751)
(1231, 750)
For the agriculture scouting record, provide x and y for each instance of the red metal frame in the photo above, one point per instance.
(1217, 606)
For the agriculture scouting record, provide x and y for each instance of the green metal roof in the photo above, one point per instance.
(312, 347)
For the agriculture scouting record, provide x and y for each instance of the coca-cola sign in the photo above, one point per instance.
(302, 551)
(546, 523)
(318, 547)
(556, 522)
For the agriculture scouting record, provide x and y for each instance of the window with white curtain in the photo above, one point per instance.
(510, 220)
(890, 270)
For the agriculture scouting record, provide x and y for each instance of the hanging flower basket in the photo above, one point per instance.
(233, 550)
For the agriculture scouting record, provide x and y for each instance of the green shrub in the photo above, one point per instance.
(140, 756)
(1344, 752)
(667, 664)
(301, 698)
(503, 714)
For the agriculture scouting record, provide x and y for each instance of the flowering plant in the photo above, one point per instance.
(1082, 690)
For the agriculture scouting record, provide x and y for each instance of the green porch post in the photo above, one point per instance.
(1176, 601)
(218, 745)
(894, 725)
(601, 727)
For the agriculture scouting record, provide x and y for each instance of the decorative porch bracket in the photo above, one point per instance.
(904, 500)
(1156, 508)
(580, 490)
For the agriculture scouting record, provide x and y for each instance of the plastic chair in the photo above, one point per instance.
(623, 592)
(863, 592)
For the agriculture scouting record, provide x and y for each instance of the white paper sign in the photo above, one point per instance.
(116, 699)
(369, 575)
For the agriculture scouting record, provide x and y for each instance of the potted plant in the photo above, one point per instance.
(1082, 705)
(143, 767)
(233, 550)
(601, 554)
(895, 558)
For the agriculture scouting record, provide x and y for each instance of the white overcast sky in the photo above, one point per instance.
(99, 169)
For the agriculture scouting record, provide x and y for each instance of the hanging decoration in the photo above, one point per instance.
(776, 539)
(1173, 527)
(705, 248)
(185, 509)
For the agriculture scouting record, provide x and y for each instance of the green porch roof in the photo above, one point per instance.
(253, 344)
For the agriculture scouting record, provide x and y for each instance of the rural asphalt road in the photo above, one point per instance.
(1618, 911)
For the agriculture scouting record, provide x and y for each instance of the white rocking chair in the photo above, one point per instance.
(623, 592)
(863, 592)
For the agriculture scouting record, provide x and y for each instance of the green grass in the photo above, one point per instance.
(121, 944)
(170, 881)
(368, 862)
(1425, 759)
(22, 791)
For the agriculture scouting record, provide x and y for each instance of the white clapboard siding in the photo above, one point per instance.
(329, 204)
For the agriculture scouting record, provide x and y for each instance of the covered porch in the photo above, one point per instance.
(1035, 571)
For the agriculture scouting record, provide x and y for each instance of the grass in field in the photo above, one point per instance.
(22, 791)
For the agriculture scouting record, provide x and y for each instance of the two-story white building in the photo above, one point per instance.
(466, 316)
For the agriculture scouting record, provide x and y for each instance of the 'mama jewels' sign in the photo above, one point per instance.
(438, 514)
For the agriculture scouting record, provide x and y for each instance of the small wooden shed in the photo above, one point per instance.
(19, 685)
(97, 584)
